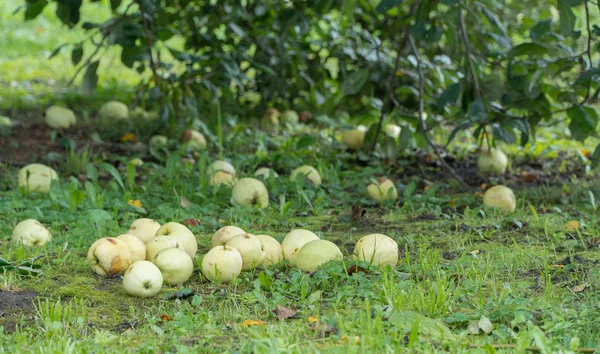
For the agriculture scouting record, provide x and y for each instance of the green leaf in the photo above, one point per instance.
(583, 122)
(114, 173)
(529, 48)
(68, 11)
(114, 4)
(540, 29)
(462, 126)
(77, 54)
(427, 327)
(405, 136)
(90, 79)
(586, 76)
(567, 18)
(34, 9)
(305, 141)
(595, 159)
(385, 5)
(493, 19)
(354, 82)
(56, 50)
(450, 95)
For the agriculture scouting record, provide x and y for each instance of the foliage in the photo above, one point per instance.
(501, 68)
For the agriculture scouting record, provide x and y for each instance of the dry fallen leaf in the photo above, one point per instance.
(191, 222)
(165, 318)
(185, 203)
(129, 137)
(313, 319)
(248, 323)
(572, 225)
(581, 287)
(357, 212)
(135, 203)
(528, 177)
(324, 330)
(356, 269)
(283, 312)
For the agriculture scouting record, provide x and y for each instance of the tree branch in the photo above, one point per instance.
(148, 43)
(422, 108)
(471, 66)
(588, 50)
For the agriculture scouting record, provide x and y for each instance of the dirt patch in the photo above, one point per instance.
(10, 300)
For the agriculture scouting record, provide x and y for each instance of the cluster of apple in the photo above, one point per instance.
(59, 117)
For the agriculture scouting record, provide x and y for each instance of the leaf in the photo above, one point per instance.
(181, 294)
(587, 75)
(493, 19)
(191, 222)
(305, 141)
(583, 121)
(385, 5)
(248, 323)
(90, 79)
(356, 269)
(450, 95)
(114, 173)
(540, 29)
(581, 287)
(68, 11)
(34, 9)
(427, 327)
(567, 18)
(114, 4)
(529, 48)
(354, 82)
(56, 50)
(77, 54)
(185, 203)
(283, 313)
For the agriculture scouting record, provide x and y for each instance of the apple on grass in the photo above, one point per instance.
(293, 242)
(31, 233)
(221, 178)
(500, 197)
(220, 165)
(311, 174)
(250, 192)
(144, 228)
(158, 141)
(354, 138)
(58, 117)
(382, 191)
(193, 140)
(317, 252)
(109, 256)
(175, 265)
(142, 279)
(250, 247)
(273, 250)
(160, 243)
(222, 264)
(136, 246)
(225, 234)
(182, 234)
(377, 249)
(37, 177)
(113, 110)
(265, 173)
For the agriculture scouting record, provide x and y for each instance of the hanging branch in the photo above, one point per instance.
(436, 148)
(588, 49)
(148, 43)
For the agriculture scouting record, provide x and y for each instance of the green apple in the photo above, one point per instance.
(290, 117)
(31, 233)
(273, 250)
(5, 122)
(354, 138)
(265, 173)
(270, 119)
(250, 192)
(311, 174)
(222, 178)
(182, 234)
(377, 249)
(58, 117)
(383, 191)
(250, 247)
(293, 242)
(109, 256)
(113, 110)
(392, 130)
(142, 279)
(144, 228)
(220, 165)
(500, 197)
(193, 140)
(492, 162)
(37, 177)
(136, 161)
(136, 246)
(225, 234)
(315, 253)
(158, 141)
(222, 264)
(160, 243)
(175, 265)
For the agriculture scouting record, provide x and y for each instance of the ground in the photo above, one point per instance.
(533, 275)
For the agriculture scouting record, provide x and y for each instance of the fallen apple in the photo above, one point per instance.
(273, 250)
(377, 249)
(270, 119)
(492, 162)
(37, 177)
(220, 165)
(5, 121)
(311, 174)
(109, 256)
(293, 242)
(315, 253)
(31, 233)
(136, 161)
(160, 243)
(290, 117)
(354, 138)
(222, 264)
(500, 197)
(142, 279)
(265, 173)
(383, 191)
(221, 178)
(58, 117)
(225, 234)
(392, 130)
(136, 246)
(175, 265)
(158, 141)
(250, 247)
(250, 192)
(145, 229)
(113, 110)
(193, 140)
(182, 234)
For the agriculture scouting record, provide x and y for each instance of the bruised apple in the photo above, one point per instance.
(109, 256)
(222, 264)
(315, 253)
(221, 178)
(293, 242)
(31, 233)
(377, 249)
(37, 177)
(220, 165)
(250, 192)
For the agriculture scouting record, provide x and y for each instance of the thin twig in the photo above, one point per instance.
(588, 50)
(422, 108)
(148, 43)
(105, 33)
(385, 108)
